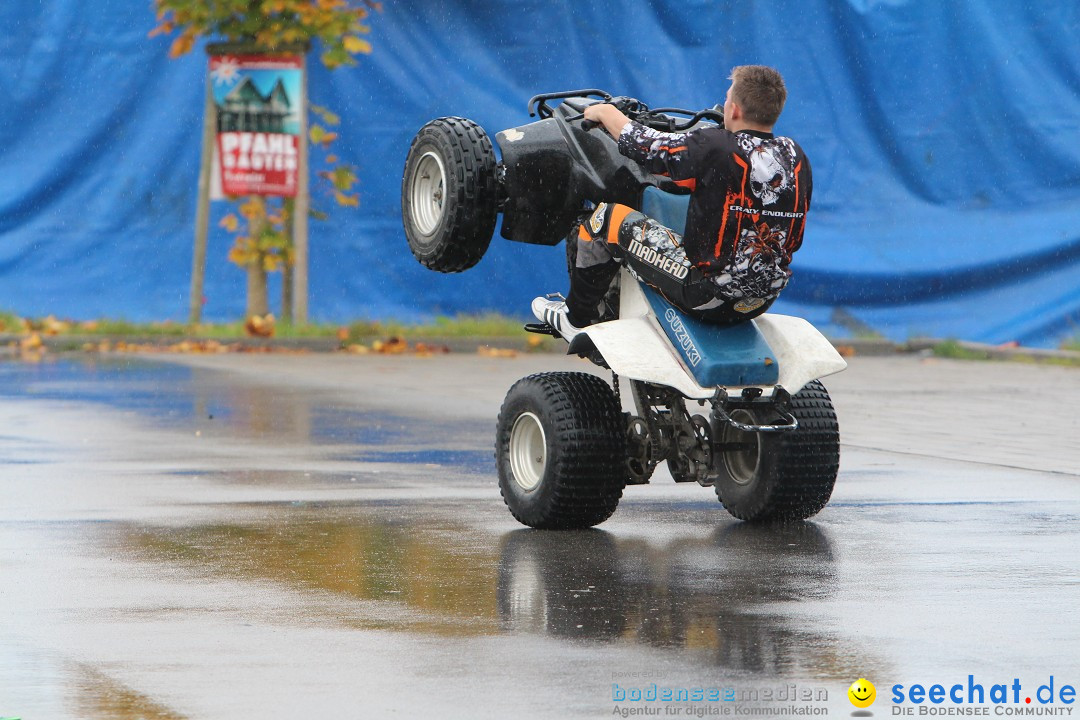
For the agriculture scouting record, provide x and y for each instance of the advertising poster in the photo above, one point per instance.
(258, 124)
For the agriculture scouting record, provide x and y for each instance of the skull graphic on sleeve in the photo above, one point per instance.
(769, 174)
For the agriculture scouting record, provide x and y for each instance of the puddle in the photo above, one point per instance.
(96, 695)
(477, 462)
(418, 570)
(179, 397)
(434, 583)
(39, 685)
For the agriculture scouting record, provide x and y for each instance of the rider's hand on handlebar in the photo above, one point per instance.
(607, 115)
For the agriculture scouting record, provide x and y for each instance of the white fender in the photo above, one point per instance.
(635, 346)
(802, 352)
(638, 349)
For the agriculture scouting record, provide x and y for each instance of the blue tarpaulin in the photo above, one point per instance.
(943, 137)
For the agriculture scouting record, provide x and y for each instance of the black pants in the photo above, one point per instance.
(654, 253)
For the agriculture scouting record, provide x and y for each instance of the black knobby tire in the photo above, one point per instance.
(449, 194)
(794, 472)
(576, 473)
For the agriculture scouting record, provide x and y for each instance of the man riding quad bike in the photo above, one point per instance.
(666, 273)
(750, 191)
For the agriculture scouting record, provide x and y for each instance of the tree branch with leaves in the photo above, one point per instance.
(262, 240)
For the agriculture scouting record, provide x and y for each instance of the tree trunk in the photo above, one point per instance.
(288, 207)
(257, 302)
(286, 295)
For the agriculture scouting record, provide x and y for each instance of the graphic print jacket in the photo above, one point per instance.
(751, 191)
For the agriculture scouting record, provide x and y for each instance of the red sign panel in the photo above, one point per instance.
(258, 123)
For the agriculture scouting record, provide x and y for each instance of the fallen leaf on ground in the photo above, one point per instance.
(486, 351)
(393, 346)
(426, 349)
(256, 326)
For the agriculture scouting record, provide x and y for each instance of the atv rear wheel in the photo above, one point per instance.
(561, 450)
(787, 475)
(449, 194)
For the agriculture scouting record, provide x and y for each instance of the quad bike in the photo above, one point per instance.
(565, 449)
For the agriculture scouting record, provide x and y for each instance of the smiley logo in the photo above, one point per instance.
(862, 693)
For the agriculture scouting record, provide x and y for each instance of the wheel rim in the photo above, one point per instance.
(428, 192)
(528, 451)
(742, 464)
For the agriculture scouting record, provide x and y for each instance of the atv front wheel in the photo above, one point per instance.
(449, 195)
(561, 450)
(787, 475)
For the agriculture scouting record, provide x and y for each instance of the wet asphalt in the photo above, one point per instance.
(289, 536)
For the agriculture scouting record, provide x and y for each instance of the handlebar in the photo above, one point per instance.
(695, 117)
(540, 101)
(657, 119)
(586, 125)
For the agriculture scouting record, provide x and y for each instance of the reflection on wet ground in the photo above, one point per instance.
(478, 462)
(439, 584)
(96, 695)
(205, 401)
(709, 595)
(73, 689)
(374, 545)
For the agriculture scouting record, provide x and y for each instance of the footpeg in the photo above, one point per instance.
(542, 329)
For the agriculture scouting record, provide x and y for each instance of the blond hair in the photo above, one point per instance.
(759, 91)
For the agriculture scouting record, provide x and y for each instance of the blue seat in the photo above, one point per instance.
(717, 354)
(666, 208)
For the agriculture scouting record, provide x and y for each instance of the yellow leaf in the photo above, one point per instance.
(320, 136)
(230, 222)
(252, 209)
(331, 159)
(346, 200)
(327, 117)
(343, 178)
(182, 45)
(356, 45)
(164, 28)
(237, 256)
